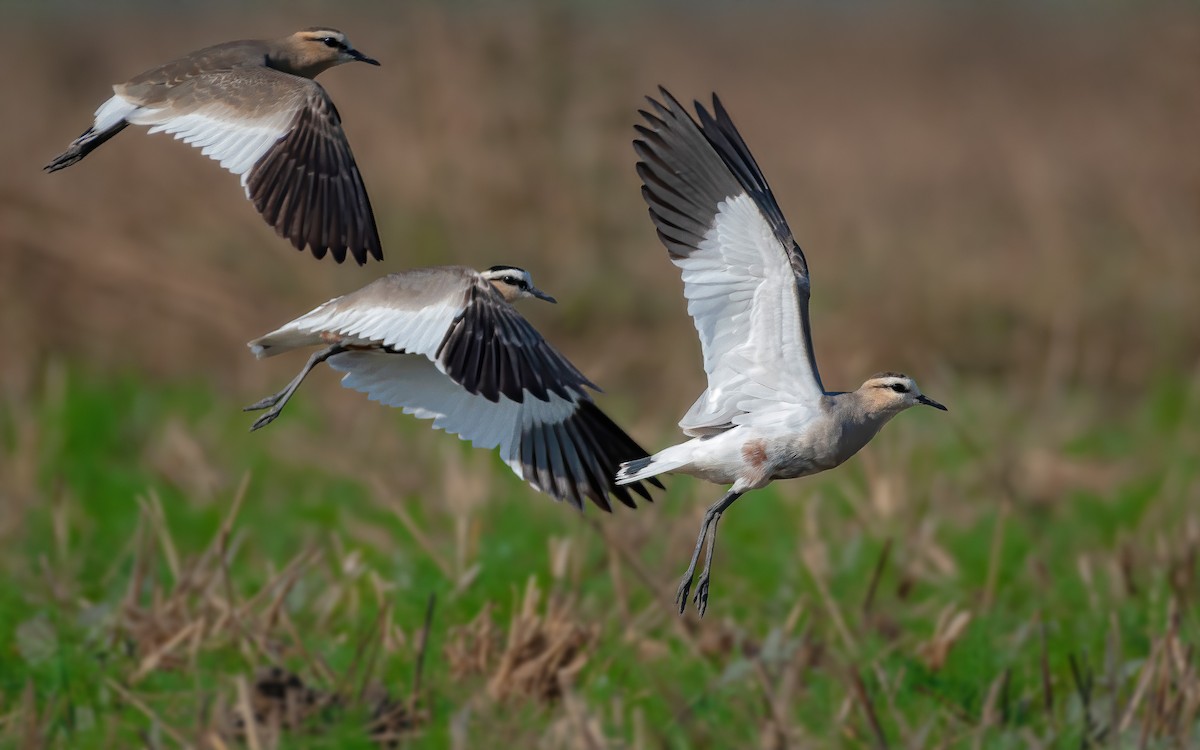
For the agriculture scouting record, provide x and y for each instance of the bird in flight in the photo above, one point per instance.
(446, 344)
(765, 414)
(253, 106)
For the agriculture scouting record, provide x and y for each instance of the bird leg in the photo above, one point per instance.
(277, 401)
(711, 517)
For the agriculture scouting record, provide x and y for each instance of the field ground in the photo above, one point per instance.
(940, 590)
(1001, 204)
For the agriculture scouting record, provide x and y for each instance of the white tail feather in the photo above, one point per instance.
(112, 112)
(662, 462)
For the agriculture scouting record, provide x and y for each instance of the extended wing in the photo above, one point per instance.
(745, 278)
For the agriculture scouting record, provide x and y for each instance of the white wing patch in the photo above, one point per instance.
(221, 133)
(742, 297)
(416, 385)
(218, 130)
(419, 331)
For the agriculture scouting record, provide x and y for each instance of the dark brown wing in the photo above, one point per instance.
(577, 455)
(309, 188)
(490, 350)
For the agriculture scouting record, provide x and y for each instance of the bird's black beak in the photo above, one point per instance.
(930, 402)
(361, 57)
(542, 295)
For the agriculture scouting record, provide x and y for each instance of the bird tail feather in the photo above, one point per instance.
(111, 118)
(649, 466)
(82, 146)
(283, 340)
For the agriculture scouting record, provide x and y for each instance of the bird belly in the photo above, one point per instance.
(714, 458)
(793, 465)
(751, 459)
(712, 472)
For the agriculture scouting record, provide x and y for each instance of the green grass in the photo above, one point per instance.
(1103, 571)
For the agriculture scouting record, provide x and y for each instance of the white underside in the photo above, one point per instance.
(742, 296)
(417, 331)
(736, 455)
(418, 387)
(221, 133)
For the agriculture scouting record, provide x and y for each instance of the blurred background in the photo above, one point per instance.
(1006, 195)
(1002, 200)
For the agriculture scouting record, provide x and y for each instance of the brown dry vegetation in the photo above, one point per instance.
(1005, 205)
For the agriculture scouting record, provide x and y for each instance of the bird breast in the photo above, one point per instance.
(799, 455)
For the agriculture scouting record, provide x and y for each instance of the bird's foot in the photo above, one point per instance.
(265, 403)
(265, 419)
(701, 597)
(681, 594)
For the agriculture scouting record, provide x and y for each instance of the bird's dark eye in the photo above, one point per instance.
(331, 42)
(899, 388)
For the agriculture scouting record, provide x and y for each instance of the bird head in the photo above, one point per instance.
(514, 283)
(313, 50)
(892, 392)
